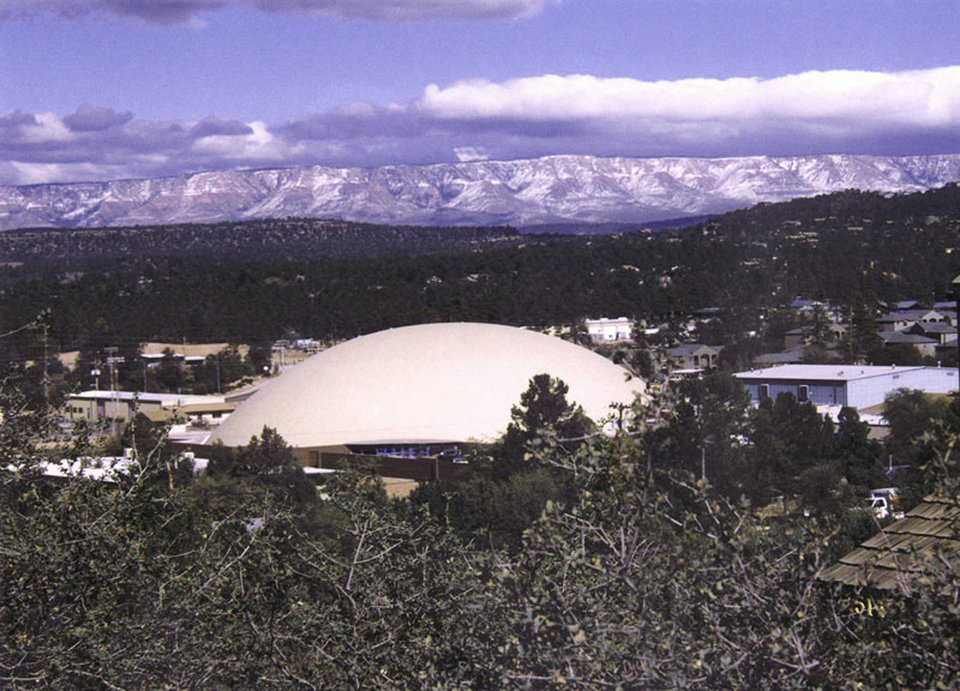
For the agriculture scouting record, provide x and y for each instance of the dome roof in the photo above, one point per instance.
(425, 383)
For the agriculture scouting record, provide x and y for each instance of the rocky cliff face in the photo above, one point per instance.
(553, 189)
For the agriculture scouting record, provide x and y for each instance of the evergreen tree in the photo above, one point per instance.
(543, 406)
(865, 342)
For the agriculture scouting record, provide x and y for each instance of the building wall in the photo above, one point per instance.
(867, 392)
(703, 357)
(859, 393)
(421, 469)
(818, 393)
(610, 330)
(81, 409)
(98, 409)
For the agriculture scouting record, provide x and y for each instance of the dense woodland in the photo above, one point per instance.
(582, 561)
(258, 282)
(53, 249)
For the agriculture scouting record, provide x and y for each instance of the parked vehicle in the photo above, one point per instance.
(884, 502)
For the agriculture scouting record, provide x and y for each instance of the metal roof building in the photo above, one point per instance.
(430, 383)
(102, 405)
(858, 386)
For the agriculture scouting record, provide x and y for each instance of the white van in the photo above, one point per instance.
(884, 503)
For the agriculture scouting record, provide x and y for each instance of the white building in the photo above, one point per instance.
(857, 386)
(604, 330)
(95, 406)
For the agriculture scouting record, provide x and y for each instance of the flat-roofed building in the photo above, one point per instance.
(96, 406)
(858, 386)
(609, 330)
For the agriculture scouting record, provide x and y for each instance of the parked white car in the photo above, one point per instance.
(884, 503)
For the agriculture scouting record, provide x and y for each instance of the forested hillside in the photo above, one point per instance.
(52, 249)
(326, 282)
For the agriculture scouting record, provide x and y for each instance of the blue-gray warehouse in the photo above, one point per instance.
(858, 386)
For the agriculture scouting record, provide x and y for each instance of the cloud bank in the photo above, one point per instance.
(900, 113)
(187, 11)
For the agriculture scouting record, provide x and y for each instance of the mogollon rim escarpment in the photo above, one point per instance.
(552, 189)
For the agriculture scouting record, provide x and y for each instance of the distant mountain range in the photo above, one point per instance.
(541, 191)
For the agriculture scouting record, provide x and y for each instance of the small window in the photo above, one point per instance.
(803, 394)
(764, 391)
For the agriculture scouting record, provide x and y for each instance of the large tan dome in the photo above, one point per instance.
(427, 383)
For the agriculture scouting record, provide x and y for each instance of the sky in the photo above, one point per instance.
(111, 89)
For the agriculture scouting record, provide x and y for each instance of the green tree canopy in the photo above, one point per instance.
(542, 406)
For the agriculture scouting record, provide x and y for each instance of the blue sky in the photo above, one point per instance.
(105, 89)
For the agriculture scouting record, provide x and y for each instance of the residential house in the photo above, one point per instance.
(604, 330)
(790, 356)
(798, 355)
(797, 337)
(925, 345)
(941, 332)
(805, 306)
(693, 356)
(903, 319)
(904, 305)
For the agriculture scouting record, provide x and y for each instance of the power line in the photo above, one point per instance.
(29, 325)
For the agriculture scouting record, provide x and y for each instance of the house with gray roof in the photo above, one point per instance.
(903, 319)
(939, 331)
(693, 356)
(924, 344)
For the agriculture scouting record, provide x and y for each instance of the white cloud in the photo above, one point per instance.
(188, 11)
(837, 111)
(470, 153)
(258, 144)
(48, 128)
(403, 10)
(25, 173)
(849, 99)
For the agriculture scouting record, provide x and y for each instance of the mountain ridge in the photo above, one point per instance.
(538, 191)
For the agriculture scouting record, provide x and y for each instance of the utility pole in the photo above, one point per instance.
(111, 352)
(955, 284)
(46, 377)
